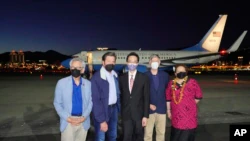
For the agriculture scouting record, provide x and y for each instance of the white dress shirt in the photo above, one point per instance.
(129, 77)
(112, 87)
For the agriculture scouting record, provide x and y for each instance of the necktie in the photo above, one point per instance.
(131, 83)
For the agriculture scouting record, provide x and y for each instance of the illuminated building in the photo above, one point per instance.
(240, 60)
(17, 57)
(13, 57)
(21, 57)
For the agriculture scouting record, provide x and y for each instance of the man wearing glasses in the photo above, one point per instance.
(73, 103)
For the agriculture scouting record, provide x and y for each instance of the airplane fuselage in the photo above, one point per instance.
(95, 57)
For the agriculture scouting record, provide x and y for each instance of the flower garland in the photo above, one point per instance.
(181, 92)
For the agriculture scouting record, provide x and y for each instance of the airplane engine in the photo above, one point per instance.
(142, 68)
(65, 63)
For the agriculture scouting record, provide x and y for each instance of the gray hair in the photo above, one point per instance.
(79, 60)
(153, 56)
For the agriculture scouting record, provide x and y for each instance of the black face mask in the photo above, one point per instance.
(109, 67)
(181, 75)
(75, 73)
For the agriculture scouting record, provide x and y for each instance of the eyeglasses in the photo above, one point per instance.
(132, 62)
(78, 68)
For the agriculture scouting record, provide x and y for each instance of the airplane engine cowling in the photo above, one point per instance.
(65, 63)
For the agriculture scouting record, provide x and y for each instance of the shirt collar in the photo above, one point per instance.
(75, 83)
(129, 73)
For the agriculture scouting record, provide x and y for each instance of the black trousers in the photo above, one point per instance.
(182, 135)
(133, 130)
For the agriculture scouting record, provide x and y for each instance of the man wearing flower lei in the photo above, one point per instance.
(183, 95)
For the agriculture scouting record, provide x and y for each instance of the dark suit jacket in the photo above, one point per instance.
(135, 105)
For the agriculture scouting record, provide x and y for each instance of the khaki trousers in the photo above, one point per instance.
(74, 133)
(159, 122)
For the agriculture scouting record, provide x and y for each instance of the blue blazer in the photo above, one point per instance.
(100, 95)
(158, 96)
(63, 101)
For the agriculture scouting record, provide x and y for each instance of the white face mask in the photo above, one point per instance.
(154, 65)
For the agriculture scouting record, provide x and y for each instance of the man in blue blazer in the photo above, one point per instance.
(106, 99)
(157, 116)
(73, 103)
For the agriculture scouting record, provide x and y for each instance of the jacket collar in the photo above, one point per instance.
(103, 73)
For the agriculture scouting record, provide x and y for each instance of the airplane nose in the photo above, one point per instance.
(65, 63)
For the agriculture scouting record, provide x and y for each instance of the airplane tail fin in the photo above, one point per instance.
(211, 41)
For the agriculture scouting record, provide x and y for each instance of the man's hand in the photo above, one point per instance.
(75, 121)
(152, 107)
(104, 126)
(72, 121)
(144, 122)
(81, 119)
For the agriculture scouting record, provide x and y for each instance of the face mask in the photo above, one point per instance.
(75, 73)
(132, 67)
(181, 75)
(154, 65)
(109, 67)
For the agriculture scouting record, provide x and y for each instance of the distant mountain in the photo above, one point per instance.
(5, 57)
(50, 56)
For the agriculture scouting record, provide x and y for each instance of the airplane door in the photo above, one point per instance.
(90, 63)
(89, 58)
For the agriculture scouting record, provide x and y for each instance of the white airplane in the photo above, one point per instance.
(205, 51)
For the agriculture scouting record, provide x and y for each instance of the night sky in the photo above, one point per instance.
(72, 26)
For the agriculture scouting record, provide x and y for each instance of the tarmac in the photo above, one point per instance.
(27, 112)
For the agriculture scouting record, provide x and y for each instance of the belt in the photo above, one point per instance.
(112, 105)
(78, 115)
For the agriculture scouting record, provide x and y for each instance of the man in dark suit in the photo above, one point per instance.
(135, 91)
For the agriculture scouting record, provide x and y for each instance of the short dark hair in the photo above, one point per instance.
(181, 65)
(104, 56)
(133, 54)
